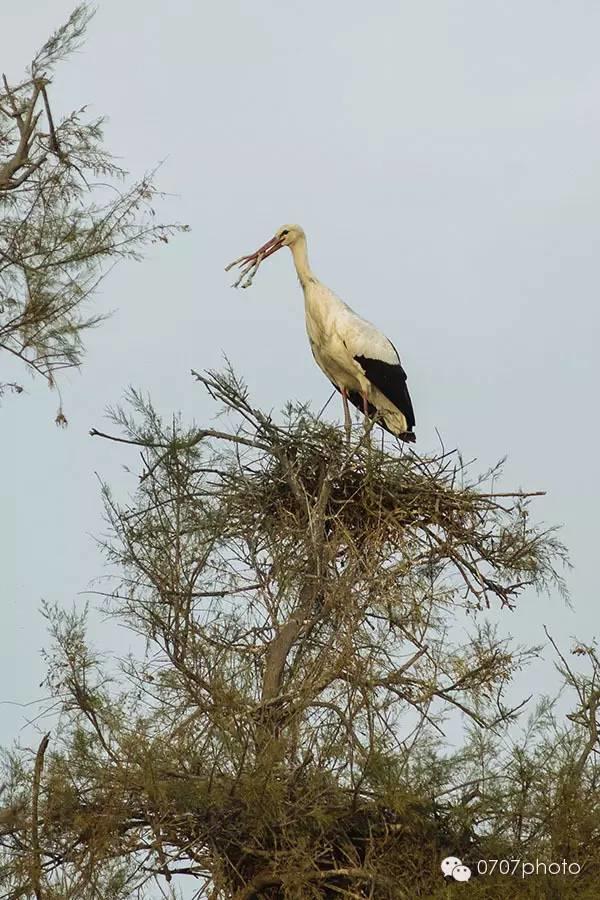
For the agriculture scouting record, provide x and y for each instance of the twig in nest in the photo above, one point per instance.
(249, 266)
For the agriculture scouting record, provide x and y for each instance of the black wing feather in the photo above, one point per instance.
(390, 379)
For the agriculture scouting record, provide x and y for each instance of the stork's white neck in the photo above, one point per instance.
(300, 254)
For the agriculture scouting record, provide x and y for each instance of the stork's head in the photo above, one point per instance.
(285, 236)
(289, 234)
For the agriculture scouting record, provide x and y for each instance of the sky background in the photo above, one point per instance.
(444, 160)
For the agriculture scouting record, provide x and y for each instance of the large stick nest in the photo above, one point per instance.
(428, 510)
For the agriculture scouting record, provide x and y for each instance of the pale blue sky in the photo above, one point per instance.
(444, 159)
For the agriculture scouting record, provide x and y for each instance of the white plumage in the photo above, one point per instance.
(357, 358)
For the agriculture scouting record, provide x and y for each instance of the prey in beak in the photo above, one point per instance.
(249, 264)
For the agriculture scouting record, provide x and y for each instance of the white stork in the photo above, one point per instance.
(361, 363)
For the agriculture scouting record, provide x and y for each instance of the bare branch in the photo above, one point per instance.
(36, 864)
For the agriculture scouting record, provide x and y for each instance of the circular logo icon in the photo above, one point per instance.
(461, 873)
(449, 864)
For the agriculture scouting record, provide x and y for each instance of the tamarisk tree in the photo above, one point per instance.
(279, 732)
(65, 216)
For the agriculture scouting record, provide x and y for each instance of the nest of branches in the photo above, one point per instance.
(303, 481)
(369, 490)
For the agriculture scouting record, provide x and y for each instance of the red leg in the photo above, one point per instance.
(347, 419)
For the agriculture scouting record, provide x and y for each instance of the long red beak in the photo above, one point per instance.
(272, 246)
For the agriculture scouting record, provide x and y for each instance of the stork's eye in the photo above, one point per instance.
(283, 233)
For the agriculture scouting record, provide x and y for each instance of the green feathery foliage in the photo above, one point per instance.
(67, 214)
(282, 735)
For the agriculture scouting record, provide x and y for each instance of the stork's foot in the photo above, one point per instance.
(368, 424)
(369, 420)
